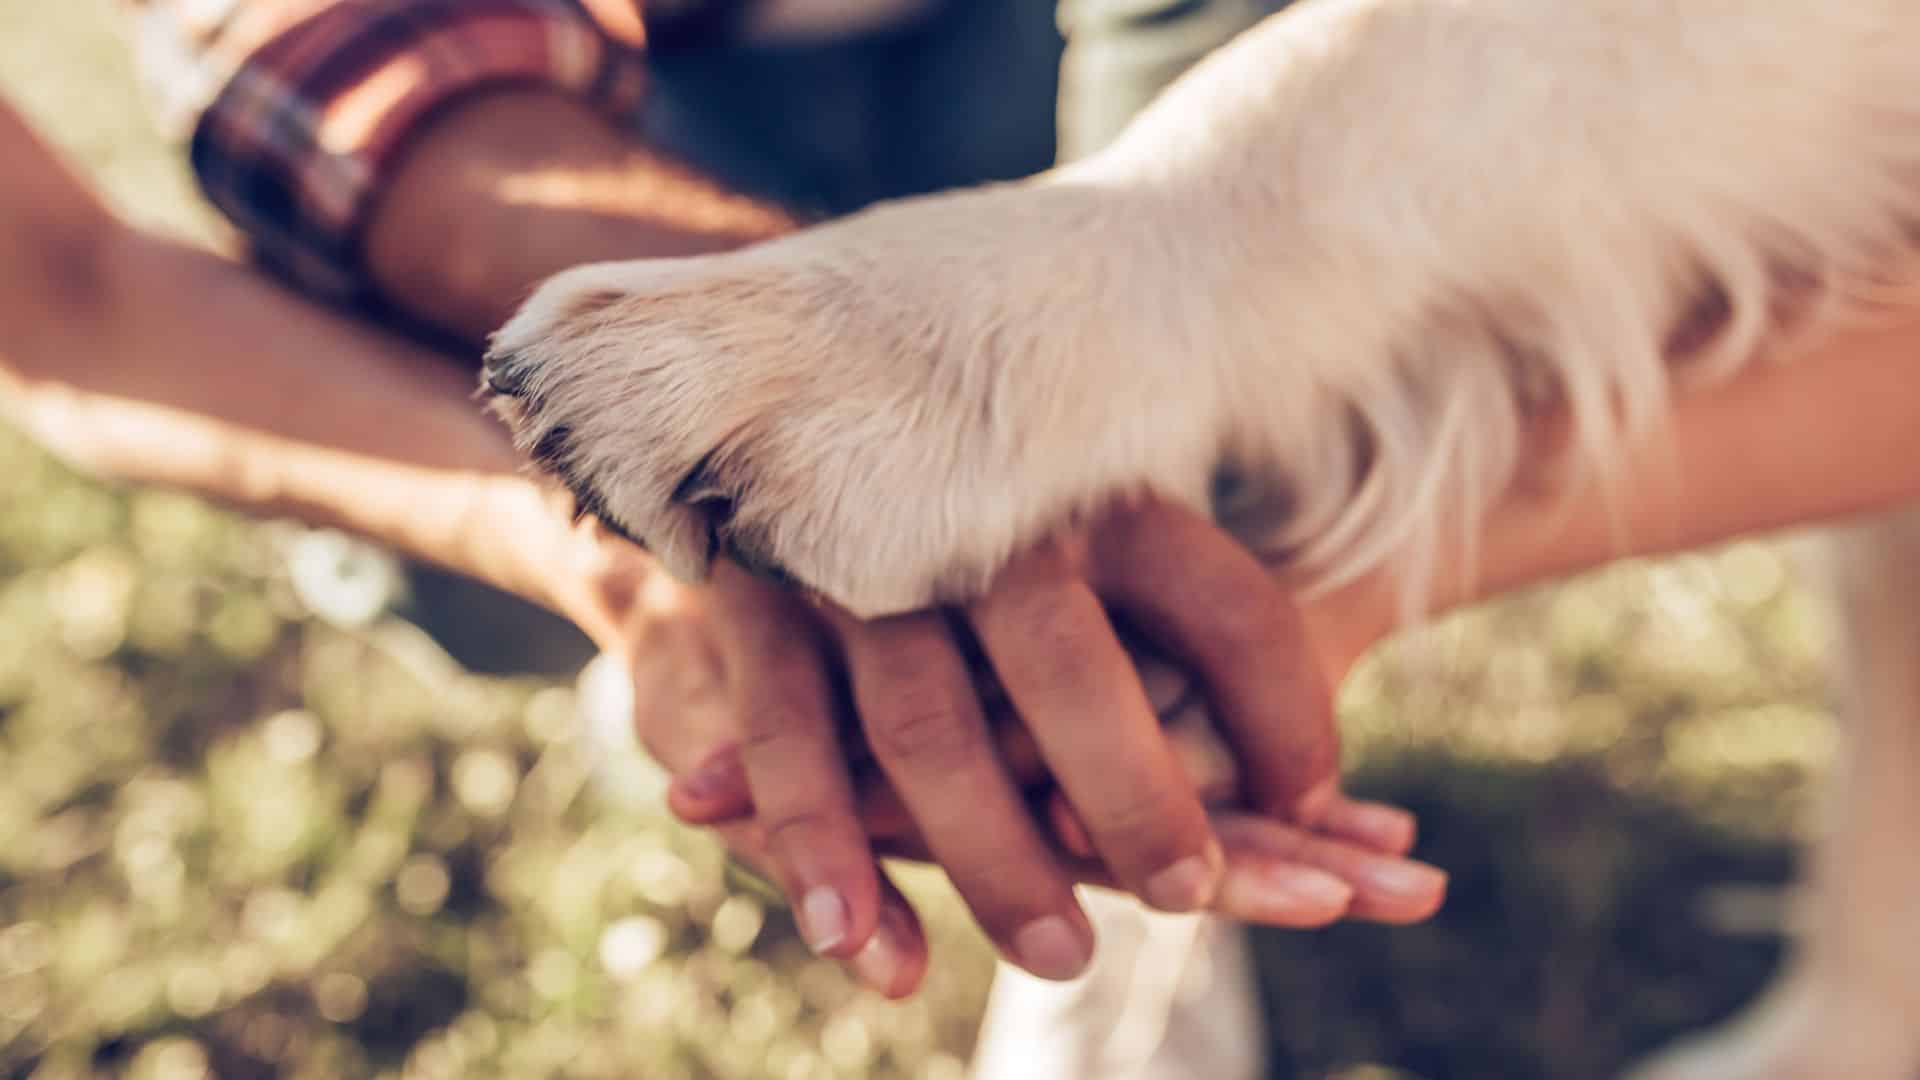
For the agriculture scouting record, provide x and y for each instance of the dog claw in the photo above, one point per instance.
(503, 376)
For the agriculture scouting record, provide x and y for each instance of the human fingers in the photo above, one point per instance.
(1218, 612)
(1076, 691)
(794, 764)
(1279, 874)
(923, 721)
(894, 960)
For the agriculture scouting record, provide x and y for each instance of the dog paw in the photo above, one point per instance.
(881, 410)
(1318, 288)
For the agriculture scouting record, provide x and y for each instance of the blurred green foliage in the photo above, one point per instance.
(235, 840)
(232, 836)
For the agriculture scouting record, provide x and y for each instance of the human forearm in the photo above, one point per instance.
(189, 370)
(1829, 434)
(513, 186)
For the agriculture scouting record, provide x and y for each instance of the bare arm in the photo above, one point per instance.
(149, 360)
(1829, 434)
(279, 409)
(514, 186)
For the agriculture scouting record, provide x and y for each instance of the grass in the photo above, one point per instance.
(237, 840)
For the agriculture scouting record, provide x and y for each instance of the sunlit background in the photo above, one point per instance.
(238, 840)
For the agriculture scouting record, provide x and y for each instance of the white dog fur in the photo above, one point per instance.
(1316, 288)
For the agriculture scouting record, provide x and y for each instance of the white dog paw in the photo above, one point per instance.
(1331, 263)
(881, 410)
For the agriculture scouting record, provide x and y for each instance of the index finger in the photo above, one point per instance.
(1205, 598)
(1056, 654)
(791, 753)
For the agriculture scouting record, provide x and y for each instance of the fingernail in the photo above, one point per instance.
(878, 961)
(1049, 948)
(1405, 878)
(1284, 895)
(823, 918)
(1187, 884)
(1384, 824)
(1310, 886)
(713, 778)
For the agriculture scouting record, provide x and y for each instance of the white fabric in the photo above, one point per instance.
(1169, 997)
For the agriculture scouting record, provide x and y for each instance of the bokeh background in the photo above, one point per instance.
(240, 840)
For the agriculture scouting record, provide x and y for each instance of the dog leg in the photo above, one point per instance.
(1336, 263)
(1848, 1003)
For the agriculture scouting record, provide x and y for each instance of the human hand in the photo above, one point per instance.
(741, 698)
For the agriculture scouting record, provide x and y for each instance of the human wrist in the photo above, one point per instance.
(1826, 435)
